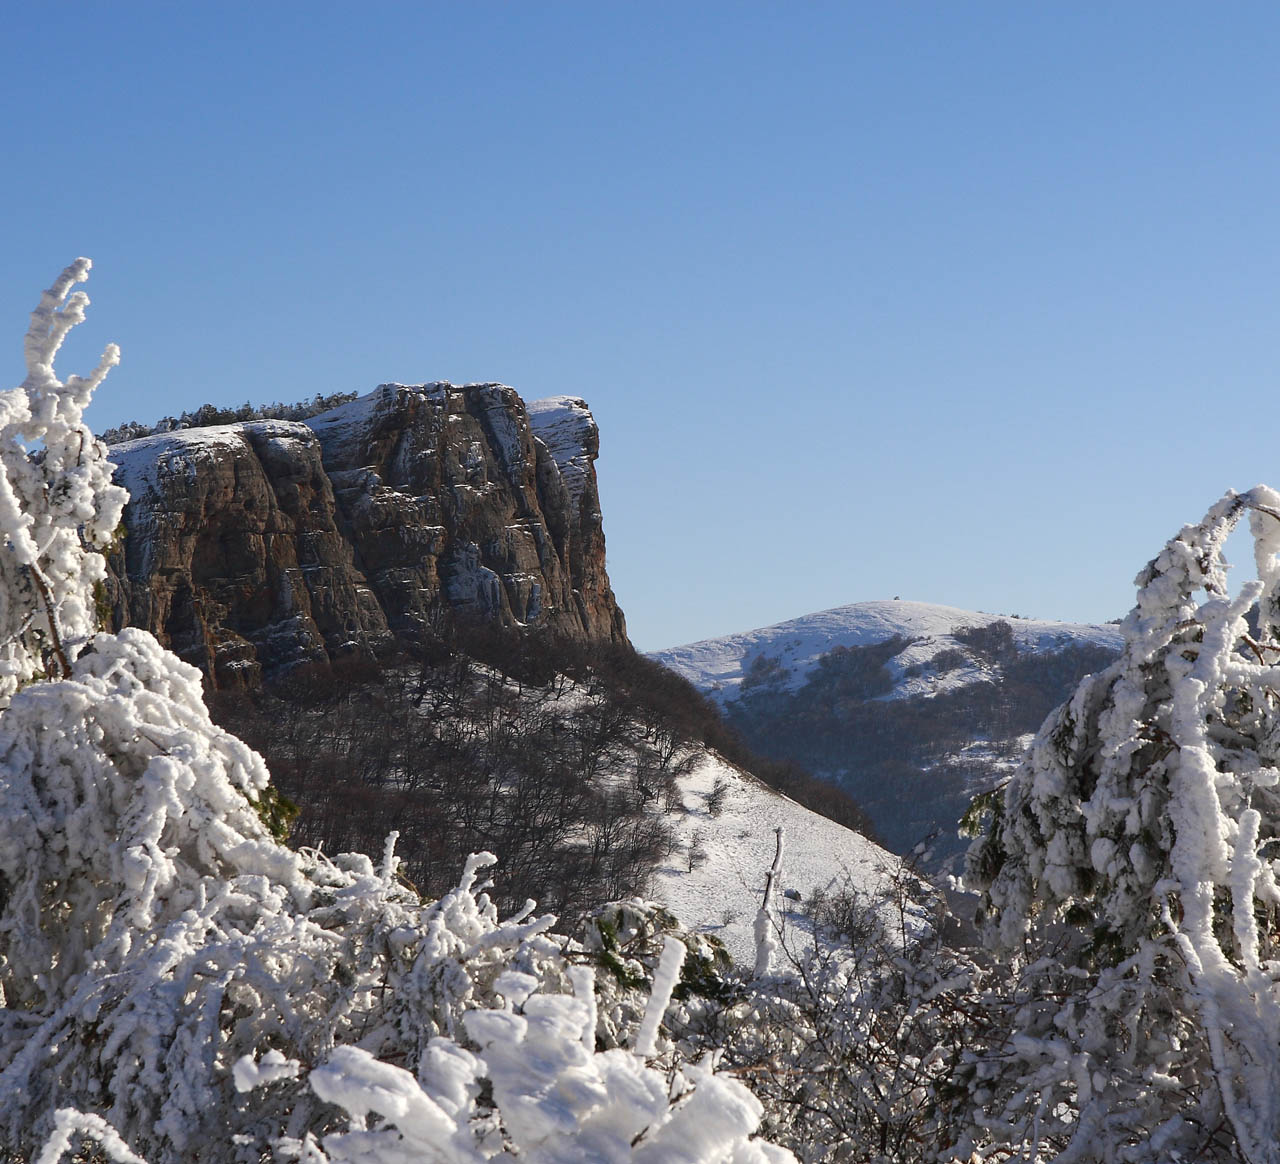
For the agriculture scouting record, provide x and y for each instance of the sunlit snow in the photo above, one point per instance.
(721, 894)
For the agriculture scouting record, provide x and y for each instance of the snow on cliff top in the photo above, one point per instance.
(717, 666)
(349, 421)
(565, 425)
(721, 894)
(139, 462)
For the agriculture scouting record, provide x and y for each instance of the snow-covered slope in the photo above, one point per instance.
(731, 848)
(717, 666)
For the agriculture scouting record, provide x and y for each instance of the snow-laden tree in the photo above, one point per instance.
(178, 985)
(1129, 866)
(58, 507)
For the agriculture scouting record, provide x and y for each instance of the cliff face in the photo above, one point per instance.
(253, 547)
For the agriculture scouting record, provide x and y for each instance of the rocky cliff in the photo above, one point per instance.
(250, 548)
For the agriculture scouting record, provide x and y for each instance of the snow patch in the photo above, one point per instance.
(565, 425)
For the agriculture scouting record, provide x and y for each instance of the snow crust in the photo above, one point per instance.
(717, 666)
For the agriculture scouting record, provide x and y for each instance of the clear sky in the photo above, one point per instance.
(972, 303)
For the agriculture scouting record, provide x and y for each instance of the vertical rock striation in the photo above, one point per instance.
(251, 548)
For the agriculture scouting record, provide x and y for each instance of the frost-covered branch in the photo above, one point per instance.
(69, 1123)
(664, 983)
(57, 504)
(765, 944)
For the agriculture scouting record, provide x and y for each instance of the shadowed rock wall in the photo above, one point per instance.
(253, 547)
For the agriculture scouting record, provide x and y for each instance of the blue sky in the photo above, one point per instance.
(971, 303)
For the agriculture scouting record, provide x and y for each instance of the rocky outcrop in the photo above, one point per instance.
(250, 548)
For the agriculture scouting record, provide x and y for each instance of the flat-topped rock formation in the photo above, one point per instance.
(253, 547)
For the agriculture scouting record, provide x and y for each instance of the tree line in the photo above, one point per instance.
(210, 414)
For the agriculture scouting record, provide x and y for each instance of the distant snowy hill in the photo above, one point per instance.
(718, 666)
(909, 706)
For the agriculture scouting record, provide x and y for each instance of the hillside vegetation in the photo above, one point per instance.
(912, 763)
(562, 758)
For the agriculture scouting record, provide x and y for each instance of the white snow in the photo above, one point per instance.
(665, 979)
(565, 425)
(142, 463)
(56, 510)
(722, 894)
(718, 665)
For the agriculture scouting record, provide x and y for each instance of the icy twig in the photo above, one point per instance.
(665, 979)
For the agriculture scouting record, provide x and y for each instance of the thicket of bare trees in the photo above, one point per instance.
(562, 778)
(558, 757)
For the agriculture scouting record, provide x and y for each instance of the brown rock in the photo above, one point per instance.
(251, 548)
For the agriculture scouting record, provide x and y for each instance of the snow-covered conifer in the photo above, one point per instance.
(1131, 863)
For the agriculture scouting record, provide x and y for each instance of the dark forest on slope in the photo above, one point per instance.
(912, 763)
(560, 757)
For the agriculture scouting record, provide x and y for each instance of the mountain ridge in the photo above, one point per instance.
(911, 708)
(718, 666)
